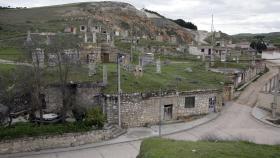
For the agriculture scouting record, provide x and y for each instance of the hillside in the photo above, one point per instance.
(116, 15)
(273, 37)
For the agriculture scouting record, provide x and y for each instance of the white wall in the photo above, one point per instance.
(271, 55)
(195, 51)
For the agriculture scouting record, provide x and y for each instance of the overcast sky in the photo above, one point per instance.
(230, 16)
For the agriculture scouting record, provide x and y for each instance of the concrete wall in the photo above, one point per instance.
(195, 50)
(271, 55)
(138, 110)
(265, 100)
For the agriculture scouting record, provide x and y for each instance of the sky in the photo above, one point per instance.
(230, 16)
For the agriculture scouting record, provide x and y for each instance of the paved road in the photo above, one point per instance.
(234, 123)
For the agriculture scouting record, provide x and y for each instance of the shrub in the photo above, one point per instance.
(95, 117)
(188, 25)
(20, 130)
(79, 113)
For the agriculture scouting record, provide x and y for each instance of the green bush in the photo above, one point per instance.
(95, 117)
(20, 130)
(79, 113)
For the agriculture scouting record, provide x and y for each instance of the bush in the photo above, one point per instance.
(188, 25)
(95, 117)
(20, 130)
(79, 113)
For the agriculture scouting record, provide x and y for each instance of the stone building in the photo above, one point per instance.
(173, 39)
(90, 53)
(159, 38)
(87, 96)
(71, 56)
(201, 50)
(147, 59)
(139, 109)
(142, 109)
(38, 57)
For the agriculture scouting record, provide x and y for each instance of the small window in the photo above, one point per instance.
(82, 28)
(189, 102)
(209, 51)
(202, 50)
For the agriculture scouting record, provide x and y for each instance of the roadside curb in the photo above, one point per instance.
(260, 119)
(100, 144)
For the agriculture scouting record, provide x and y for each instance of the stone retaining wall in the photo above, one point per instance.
(48, 142)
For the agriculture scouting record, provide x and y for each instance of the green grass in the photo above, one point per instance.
(173, 76)
(5, 68)
(13, 54)
(144, 42)
(150, 81)
(20, 130)
(231, 65)
(168, 79)
(163, 148)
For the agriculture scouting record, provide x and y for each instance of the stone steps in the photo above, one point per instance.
(116, 130)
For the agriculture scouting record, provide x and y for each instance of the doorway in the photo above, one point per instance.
(168, 112)
(105, 57)
(212, 104)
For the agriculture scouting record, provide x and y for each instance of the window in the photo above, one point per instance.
(189, 102)
(212, 101)
(82, 28)
(209, 51)
(202, 50)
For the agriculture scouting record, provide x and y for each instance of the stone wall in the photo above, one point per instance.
(87, 96)
(139, 110)
(51, 142)
(53, 98)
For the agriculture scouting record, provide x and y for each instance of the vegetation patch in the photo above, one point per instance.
(20, 130)
(13, 54)
(242, 66)
(164, 148)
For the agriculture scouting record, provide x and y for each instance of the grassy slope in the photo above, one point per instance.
(11, 54)
(162, 148)
(274, 37)
(4, 68)
(198, 79)
(172, 75)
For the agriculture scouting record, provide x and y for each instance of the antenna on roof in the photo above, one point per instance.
(212, 29)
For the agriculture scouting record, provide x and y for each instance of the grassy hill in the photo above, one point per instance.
(273, 37)
(16, 22)
(174, 76)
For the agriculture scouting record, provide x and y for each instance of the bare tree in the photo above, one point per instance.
(37, 86)
(64, 64)
(31, 51)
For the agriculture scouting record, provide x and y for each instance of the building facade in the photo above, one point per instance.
(139, 110)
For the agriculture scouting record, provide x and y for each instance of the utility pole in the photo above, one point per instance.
(212, 29)
(159, 125)
(131, 44)
(119, 57)
(276, 89)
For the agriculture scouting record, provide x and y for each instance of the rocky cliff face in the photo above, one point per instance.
(116, 15)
